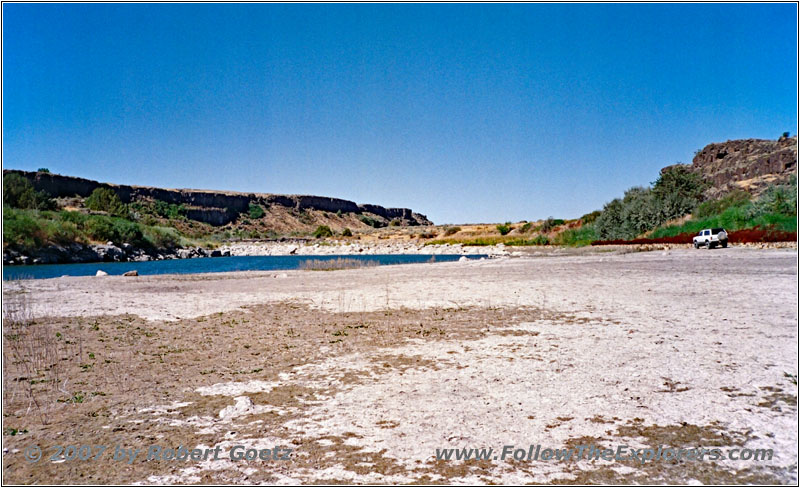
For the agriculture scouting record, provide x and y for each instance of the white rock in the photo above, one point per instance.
(462, 259)
(242, 406)
(100, 272)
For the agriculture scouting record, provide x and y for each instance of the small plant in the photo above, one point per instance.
(451, 230)
(335, 264)
(347, 232)
(525, 227)
(550, 223)
(372, 222)
(504, 229)
(323, 231)
(395, 223)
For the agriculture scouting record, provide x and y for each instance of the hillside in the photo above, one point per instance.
(220, 208)
(50, 218)
(750, 165)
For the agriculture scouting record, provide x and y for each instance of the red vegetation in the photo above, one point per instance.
(738, 236)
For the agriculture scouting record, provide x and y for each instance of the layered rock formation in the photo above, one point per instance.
(213, 207)
(746, 164)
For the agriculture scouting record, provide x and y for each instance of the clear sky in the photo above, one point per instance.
(467, 113)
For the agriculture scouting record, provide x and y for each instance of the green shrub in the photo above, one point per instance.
(19, 193)
(550, 223)
(162, 237)
(525, 227)
(255, 211)
(42, 170)
(372, 222)
(581, 236)
(62, 231)
(347, 232)
(106, 200)
(21, 229)
(504, 229)
(736, 198)
(169, 210)
(323, 231)
(395, 223)
(590, 217)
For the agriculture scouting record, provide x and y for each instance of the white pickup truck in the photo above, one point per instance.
(711, 238)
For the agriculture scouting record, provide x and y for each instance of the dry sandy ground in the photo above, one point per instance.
(365, 373)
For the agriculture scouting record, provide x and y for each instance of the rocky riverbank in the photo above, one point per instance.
(343, 248)
(109, 252)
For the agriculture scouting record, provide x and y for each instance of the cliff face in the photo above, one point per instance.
(213, 207)
(745, 164)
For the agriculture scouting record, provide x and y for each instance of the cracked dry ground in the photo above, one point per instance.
(368, 397)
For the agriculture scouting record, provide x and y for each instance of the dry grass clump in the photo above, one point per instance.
(335, 264)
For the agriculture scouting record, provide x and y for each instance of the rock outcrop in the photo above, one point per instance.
(746, 164)
(213, 207)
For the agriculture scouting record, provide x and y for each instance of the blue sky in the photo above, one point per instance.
(467, 113)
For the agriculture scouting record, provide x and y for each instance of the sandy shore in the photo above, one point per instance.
(365, 373)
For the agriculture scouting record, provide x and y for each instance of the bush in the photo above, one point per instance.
(163, 237)
(169, 210)
(395, 222)
(372, 222)
(20, 229)
(590, 217)
(550, 223)
(525, 227)
(106, 200)
(736, 198)
(451, 230)
(777, 199)
(504, 229)
(116, 230)
(19, 193)
(581, 236)
(347, 232)
(255, 211)
(42, 170)
(323, 231)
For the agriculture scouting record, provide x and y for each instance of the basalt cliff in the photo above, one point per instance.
(217, 208)
(745, 164)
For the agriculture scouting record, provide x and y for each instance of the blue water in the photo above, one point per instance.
(207, 265)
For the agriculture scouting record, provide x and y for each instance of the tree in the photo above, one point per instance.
(504, 229)
(323, 231)
(18, 192)
(106, 200)
(678, 191)
(255, 211)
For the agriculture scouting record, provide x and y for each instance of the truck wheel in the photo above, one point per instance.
(696, 245)
(711, 245)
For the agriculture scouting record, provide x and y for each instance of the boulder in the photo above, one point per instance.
(132, 272)
(100, 272)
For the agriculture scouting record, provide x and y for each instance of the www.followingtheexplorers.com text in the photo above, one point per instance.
(594, 453)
